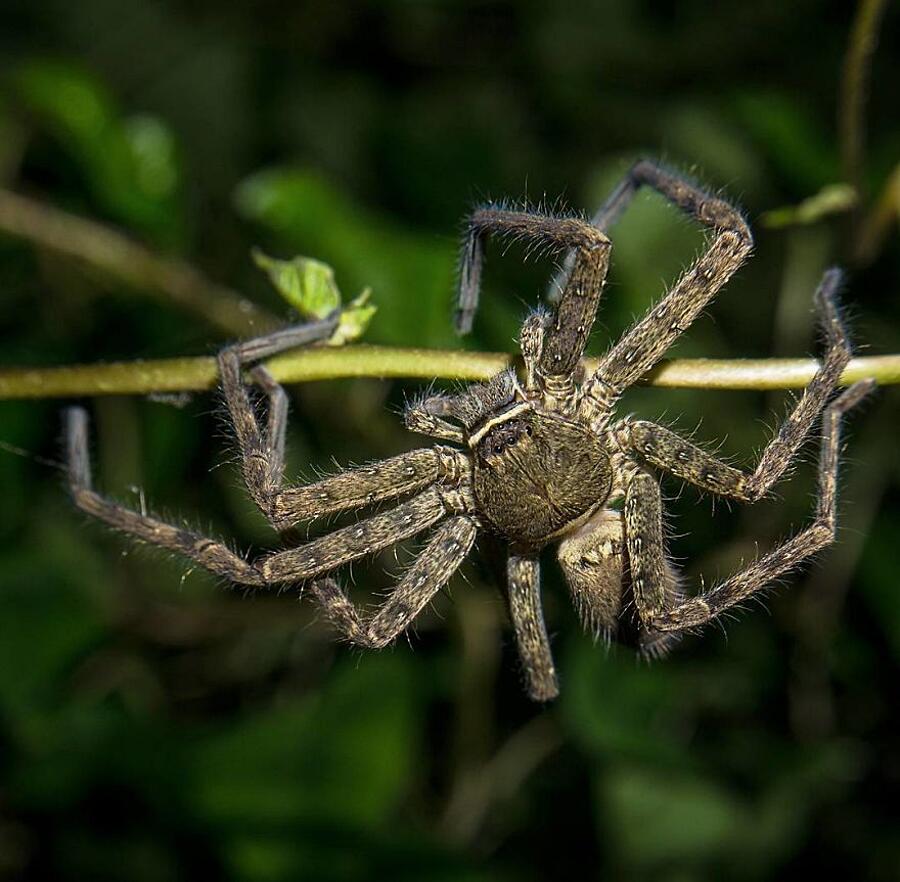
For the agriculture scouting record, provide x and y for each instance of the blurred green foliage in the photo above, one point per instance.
(154, 726)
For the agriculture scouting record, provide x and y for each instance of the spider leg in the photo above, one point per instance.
(349, 543)
(286, 338)
(567, 336)
(667, 451)
(298, 564)
(644, 534)
(647, 341)
(431, 570)
(214, 555)
(263, 452)
(262, 457)
(524, 574)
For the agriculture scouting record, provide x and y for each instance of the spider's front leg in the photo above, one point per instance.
(214, 555)
(300, 564)
(645, 343)
(644, 532)
(262, 450)
(566, 334)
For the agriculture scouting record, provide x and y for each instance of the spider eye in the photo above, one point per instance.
(529, 431)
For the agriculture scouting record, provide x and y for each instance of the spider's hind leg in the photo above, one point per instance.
(644, 533)
(567, 335)
(524, 575)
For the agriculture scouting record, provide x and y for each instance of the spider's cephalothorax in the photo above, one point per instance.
(537, 474)
(533, 460)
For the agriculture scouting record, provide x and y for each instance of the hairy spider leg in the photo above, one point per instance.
(665, 450)
(432, 569)
(524, 580)
(645, 343)
(262, 458)
(215, 556)
(644, 532)
(566, 335)
(298, 564)
(426, 417)
(263, 464)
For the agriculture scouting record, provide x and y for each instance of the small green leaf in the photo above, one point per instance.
(131, 165)
(354, 320)
(833, 199)
(308, 285)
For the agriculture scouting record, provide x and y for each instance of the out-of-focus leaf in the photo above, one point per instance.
(12, 141)
(702, 141)
(46, 625)
(697, 821)
(342, 755)
(691, 819)
(833, 199)
(308, 285)
(130, 165)
(785, 129)
(646, 705)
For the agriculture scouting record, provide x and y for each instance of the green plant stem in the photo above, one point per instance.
(330, 363)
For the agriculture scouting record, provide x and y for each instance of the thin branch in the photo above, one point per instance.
(854, 88)
(330, 363)
(122, 258)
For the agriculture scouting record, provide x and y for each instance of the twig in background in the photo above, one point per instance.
(122, 258)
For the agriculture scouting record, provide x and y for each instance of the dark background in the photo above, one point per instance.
(155, 726)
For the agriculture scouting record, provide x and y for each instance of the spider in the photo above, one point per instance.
(534, 460)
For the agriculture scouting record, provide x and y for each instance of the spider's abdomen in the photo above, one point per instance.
(537, 473)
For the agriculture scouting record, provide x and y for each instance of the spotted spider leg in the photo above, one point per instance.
(645, 343)
(524, 581)
(262, 459)
(427, 417)
(565, 334)
(441, 474)
(298, 564)
(664, 449)
(643, 524)
(351, 489)
(647, 443)
(432, 569)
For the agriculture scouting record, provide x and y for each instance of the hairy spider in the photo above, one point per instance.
(536, 461)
